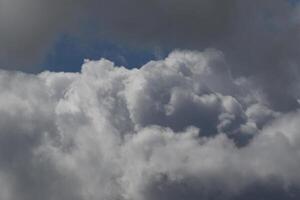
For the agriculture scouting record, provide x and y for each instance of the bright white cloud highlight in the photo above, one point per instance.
(179, 128)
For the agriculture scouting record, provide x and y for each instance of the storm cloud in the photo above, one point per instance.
(259, 38)
(178, 128)
(219, 120)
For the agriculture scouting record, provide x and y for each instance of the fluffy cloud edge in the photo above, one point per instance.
(181, 127)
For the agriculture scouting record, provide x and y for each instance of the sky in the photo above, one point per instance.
(68, 54)
(149, 100)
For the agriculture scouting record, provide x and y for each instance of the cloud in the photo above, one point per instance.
(258, 38)
(30, 27)
(180, 128)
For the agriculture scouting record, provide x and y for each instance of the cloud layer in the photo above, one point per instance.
(259, 38)
(178, 128)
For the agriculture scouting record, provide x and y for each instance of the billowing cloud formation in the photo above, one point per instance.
(259, 37)
(179, 128)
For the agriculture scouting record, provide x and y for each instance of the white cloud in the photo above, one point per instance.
(179, 128)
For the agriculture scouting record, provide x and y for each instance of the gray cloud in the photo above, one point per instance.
(259, 38)
(29, 27)
(111, 133)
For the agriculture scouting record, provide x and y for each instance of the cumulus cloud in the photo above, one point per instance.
(178, 128)
(259, 38)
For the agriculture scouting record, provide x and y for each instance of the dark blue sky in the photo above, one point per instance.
(69, 52)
